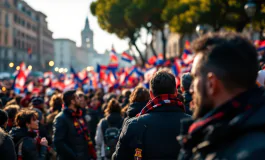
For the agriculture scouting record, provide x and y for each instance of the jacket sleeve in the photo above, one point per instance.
(99, 135)
(10, 148)
(124, 147)
(60, 130)
(29, 150)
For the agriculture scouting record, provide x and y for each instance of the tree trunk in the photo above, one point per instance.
(152, 45)
(164, 42)
(140, 53)
(133, 55)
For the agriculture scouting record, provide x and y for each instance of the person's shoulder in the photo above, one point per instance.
(3, 135)
(60, 116)
(246, 146)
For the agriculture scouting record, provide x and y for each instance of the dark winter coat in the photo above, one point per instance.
(187, 99)
(68, 143)
(156, 131)
(7, 147)
(240, 137)
(113, 120)
(30, 149)
(134, 109)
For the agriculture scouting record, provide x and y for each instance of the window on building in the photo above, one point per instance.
(6, 37)
(7, 21)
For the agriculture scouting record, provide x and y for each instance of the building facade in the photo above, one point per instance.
(65, 53)
(24, 36)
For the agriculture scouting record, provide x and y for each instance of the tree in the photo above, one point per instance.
(184, 15)
(147, 14)
(110, 15)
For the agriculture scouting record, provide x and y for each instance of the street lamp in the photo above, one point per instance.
(11, 64)
(51, 63)
(65, 70)
(30, 67)
(56, 69)
(18, 68)
(61, 70)
(250, 9)
(200, 29)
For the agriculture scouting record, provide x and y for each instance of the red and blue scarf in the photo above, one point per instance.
(81, 129)
(162, 100)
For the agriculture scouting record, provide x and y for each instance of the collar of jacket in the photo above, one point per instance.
(228, 127)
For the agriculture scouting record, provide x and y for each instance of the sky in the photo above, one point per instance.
(66, 19)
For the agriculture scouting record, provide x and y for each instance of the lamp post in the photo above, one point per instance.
(200, 29)
(250, 9)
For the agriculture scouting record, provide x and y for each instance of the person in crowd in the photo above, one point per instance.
(138, 100)
(152, 133)
(108, 129)
(12, 111)
(229, 107)
(125, 102)
(7, 147)
(261, 78)
(38, 106)
(28, 144)
(185, 83)
(95, 113)
(71, 135)
(26, 100)
(56, 104)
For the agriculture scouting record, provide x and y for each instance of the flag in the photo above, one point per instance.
(20, 78)
(126, 57)
(30, 53)
(113, 57)
(261, 46)
(187, 56)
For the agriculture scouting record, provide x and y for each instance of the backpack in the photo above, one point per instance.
(111, 137)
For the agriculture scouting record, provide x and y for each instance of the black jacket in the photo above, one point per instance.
(68, 143)
(156, 130)
(7, 148)
(187, 99)
(30, 149)
(113, 120)
(133, 110)
(240, 137)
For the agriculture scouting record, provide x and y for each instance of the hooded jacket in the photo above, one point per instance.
(30, 150)
(7, 148)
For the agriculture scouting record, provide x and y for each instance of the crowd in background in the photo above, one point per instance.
(221, 94)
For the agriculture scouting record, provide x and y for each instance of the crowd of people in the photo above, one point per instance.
(215, 113)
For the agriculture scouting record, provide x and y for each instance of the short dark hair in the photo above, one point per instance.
(24, 116)
(11, 110)
(3, 117)
(68, 96)
(163, 82)
(230, 56)
(186, 80)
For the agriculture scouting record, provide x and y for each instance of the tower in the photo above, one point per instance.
(87, 37)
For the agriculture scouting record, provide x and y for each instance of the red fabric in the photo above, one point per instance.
(25, 101)
(81, 128)
(198, 124)
(164, 99)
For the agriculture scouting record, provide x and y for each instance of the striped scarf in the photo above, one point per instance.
(162, 100)
(81, 129)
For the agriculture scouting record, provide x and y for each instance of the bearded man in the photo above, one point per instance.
(229, 107)
(71, 136)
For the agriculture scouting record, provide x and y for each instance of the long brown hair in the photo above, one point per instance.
(113, 107)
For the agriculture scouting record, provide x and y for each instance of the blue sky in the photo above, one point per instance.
(66, 19)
